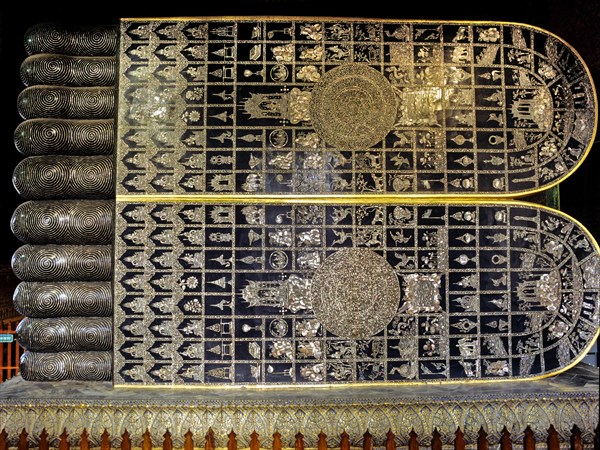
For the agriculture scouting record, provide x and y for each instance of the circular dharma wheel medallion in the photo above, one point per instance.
(355, 293)
(353, 105)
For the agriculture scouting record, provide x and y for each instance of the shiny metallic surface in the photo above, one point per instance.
(60, 366)
(62, 334)
(71, 39)
(63, 222)
(54, 262)
(63, 299)
(66, 70)
(64, 177)
(37, 137)
(67, 180)
(322, 106)
(262, 162)
(66, 102)
(256, 294)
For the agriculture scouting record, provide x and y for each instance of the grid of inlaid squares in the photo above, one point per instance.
(220, 293)
(214, 107)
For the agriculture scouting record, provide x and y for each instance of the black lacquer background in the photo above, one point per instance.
(575, 21)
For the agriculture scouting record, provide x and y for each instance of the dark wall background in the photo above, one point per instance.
(576, 21)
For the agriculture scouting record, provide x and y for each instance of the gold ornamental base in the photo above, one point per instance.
(562, 402)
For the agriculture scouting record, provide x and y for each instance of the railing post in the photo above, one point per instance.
(167, 443)
(436, 440)
(254, 443)
(84, 443)
(44, 444)
(482, 441)
(209, 440)
(367, 441)
(9, 351)
(104, 440)
(299, 443)
(553, 439)
(277, 441)
(459, 440)
(232, 442)
(146, 440)
(322, 443)
(529, 439)
(125, 441)
(505, 441)
(188, 444)
(345, 441)
(3, 440)
(390, 440)
(576, 442)
(23, 443)
(9, 348)
(413, 443)
(64, 443)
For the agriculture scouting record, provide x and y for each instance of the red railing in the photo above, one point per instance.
(84, 441)
(10, 352)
